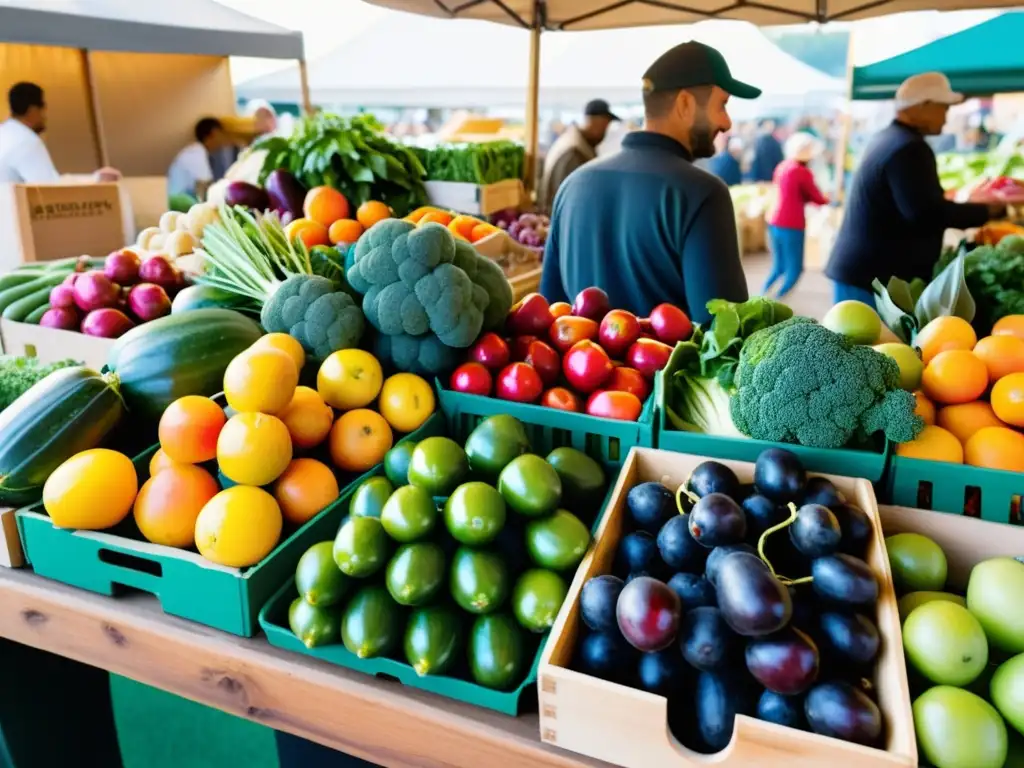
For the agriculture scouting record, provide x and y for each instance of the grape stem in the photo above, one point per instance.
(764, 537)
(681, 490)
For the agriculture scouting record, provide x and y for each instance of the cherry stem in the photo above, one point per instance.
(764, 537)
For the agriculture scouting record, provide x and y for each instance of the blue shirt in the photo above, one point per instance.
(646, 226)
(726, 167)
(767, 156)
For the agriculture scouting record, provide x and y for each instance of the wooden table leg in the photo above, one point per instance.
(294, 752)
(54, 712)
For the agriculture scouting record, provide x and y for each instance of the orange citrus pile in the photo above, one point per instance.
(328, 219)
(467, 228)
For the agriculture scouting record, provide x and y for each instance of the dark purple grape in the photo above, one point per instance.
(718, 698)
(786, 662)
(852, 637)
(815, 532)
(650, 505)
(779, 475)
(783, 710)
(661, 672)
(638, 551)
(840, 710)
(597, 603)
(705, 640)
(752, 601)
(694, 591)
(762, 514)
(605, 655)
(718, 554)
(856, 528)
(717, 520)
(712, 477)
(678, 549)
(844, 579)
(648, 614)
(820, 490)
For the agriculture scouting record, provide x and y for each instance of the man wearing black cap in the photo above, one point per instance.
(577, 145)
(645, 224)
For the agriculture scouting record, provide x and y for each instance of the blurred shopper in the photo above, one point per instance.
(725, 164)
(191, 173)
(576, 145)
(794, 188)
(645, 224)
(896, 212)
(767, 153)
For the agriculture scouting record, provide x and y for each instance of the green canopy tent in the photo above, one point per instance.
(981, 60)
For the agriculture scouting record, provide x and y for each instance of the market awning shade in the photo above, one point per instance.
(979, 60)
(610, 14)
(200, 27)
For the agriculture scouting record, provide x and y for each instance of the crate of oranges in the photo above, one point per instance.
(969, 459)
(215, 516)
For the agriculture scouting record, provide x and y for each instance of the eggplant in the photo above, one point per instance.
(286, 193)
(245, 194)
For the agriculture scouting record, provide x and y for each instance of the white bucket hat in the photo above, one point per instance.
(931, 87)
(802, 147)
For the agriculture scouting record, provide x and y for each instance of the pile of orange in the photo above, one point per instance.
(972, 395)
(327, 218)
(468, 228)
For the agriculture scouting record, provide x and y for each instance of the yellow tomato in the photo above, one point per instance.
(91, 491)
(287, 344)
(238, 527)
(254, 448)
(160, 462)
(406, 401)
(349, 378)
(262, 380)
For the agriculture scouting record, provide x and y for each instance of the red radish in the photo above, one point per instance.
(106, 323)
(65, 318)
(122, 267)
(94, 290)
(157, 269)
(70, 279)
(62, 296)
(491, 351)
(519, 382)
(473, 378)
(148, 302)
(670, 324)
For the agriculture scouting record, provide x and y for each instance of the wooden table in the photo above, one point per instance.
(377, 720)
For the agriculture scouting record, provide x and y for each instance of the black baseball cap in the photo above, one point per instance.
(599, 108)
(693, 64)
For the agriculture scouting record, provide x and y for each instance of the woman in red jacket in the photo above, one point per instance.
(795, 188)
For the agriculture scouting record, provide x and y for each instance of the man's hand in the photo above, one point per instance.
(996, 211)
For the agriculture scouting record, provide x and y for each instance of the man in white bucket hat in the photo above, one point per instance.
(897, 212)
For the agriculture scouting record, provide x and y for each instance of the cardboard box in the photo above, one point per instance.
(53, 344)
(52, 221)
(475, 199)
(147, 196)
(513, 258)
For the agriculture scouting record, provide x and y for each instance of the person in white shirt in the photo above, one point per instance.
(190, 172)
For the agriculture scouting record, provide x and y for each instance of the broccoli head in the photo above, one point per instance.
(311, 310)
(798, 382)
(424, 355)
(287, 306)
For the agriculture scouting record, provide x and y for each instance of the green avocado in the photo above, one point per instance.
(474, 514)
(479, 580)
(530, 486)
(369, 498)
(314, 625)
(361, 547)
(537, 597)
(396, 463)
(410, 514)
(372, 623)
(432, 639)
(557, 541)
(318, 578)
(497, 651)
(583, 481)
(415, 573)
(438, 465)
(494, 443)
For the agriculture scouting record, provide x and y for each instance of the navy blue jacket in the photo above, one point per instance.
(767, 156)
(646, 226)
(896, 213)
(726, 167)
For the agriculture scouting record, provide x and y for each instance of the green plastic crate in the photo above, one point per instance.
(991, 494)
(606, 440)
(186, 584)
(869, 465)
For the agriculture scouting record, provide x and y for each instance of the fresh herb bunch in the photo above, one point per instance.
(478, 163)
(994, 275)
(19, 374)
(352, 155)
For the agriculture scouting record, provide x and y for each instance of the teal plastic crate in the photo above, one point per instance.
(869, 465)
(990, 494)
(186, 584)
(606, 440)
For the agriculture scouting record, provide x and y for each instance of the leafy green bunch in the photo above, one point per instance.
(994, 275)
(485, 162)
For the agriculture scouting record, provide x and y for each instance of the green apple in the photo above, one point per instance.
(911, 600)
(995, 595)
(855, 320)
(908, 360)
(945, 643)
(1007, 691)
(957, 729)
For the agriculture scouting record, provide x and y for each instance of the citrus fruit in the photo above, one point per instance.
(945, 643)
(419, 213)
(371, 212)
(482, 230)
(993, 596)
(287, 344)
(1011, 325)
(463, 225)
(924, 408)
(435, 217)
(307, 417)
(944, 333)
(955, 727)
(954, 376)
(92, 490)
(305, 488)
(254, 448)
(406, 401)
(308, 231)
(359, 439)
(967, 418)
(325, 205)
(934, 444)
(349, 378)
(907, 359)
(161, 461)
(260, 380)
(169, 503)
(1002, 355)
(344, 231)
(238, 527)
(917, 562)
(855, 320)
(189, 428)
(1007, 399)
(996, 448)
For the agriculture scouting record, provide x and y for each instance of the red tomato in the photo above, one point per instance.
(520, 346)
(473, 378)
(625, 379)
(561, 398)
(492, 351)
(614, 405)
(586, 366)
(545, 360)
(520, 383)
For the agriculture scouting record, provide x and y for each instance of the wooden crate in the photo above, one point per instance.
(53, 344)
(11, 553)
(476, 199)
(628, 727)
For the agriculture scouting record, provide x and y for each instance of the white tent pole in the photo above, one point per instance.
(94, 108)
(532, 105)
(307, 101)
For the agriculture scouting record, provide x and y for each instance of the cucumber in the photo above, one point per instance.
(11, 295)
(19, 277)
(37, 314)
(20, 309)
